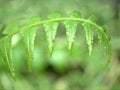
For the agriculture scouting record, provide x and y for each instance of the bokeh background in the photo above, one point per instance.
(63, 71)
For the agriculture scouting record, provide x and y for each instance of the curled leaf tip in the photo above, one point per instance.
(30, 66)
(13, 76)
(51, 49)
(51, 52)
(70, 46)
(90, 50)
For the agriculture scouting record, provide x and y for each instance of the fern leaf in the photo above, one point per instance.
(89, 32)
(109, 48)
(101, 39)
(92, 18)
(51, 30)
(89, 35)
(12, 27)
(104, 28)
(71, 28)
(5, 52)
(106, 43)
(28, 34)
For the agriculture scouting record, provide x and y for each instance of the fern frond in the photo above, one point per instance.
(71, 27)
(6, 54)
(51, 30)
(12, 27)
(28, 32)
(89, 32)
(28, 36)
(105, 42)
(89, 35)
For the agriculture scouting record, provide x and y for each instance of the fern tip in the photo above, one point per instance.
(50, 52)
(70, 45)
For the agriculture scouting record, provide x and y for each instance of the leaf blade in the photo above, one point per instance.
(12, 27)
(71, 28)
(89, 35)
(51, 30)
(28, 36)
(106, 43)
(6, 54)
(92, 18)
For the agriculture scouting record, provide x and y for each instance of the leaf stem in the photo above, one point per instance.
(58, 20)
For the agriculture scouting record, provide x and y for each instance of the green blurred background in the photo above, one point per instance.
(64, 71)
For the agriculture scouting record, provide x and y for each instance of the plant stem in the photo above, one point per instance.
(58, 20)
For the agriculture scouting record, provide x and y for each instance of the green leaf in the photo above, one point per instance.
(28, 36)
(89, 32)
(12, 27)
(104, 29)
(92, 18)
(89, 35)
(33, 20)
(104, 40)
(51, 30)
(106, 43)
(109, 48)
(6, 54)
(101, 39)
(71, 27)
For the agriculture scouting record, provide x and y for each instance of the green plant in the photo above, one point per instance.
(28, 32)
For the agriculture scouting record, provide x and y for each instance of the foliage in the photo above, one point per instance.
(28, 31)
